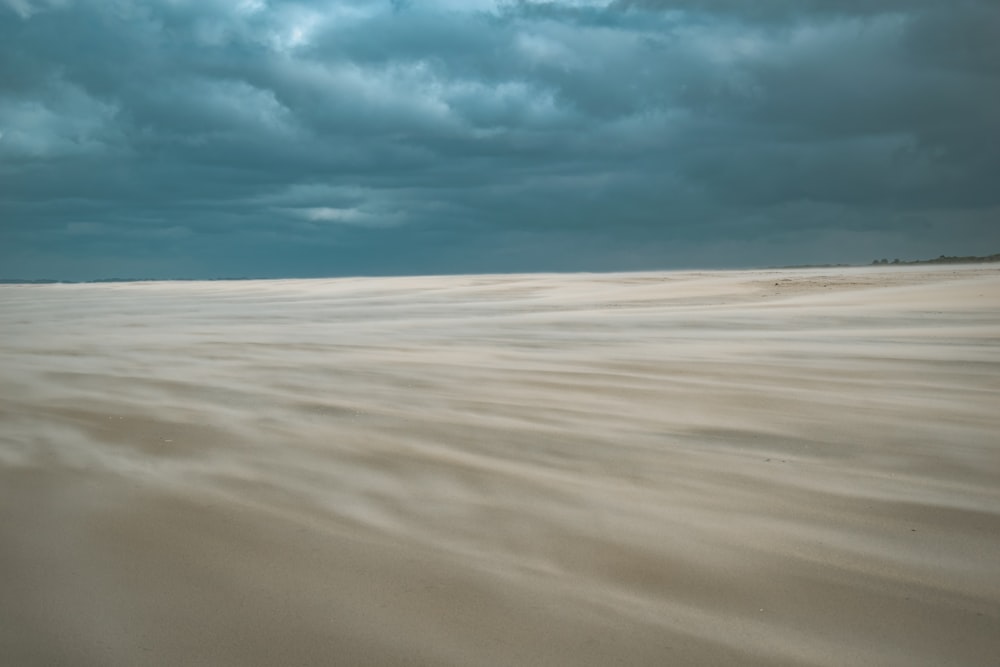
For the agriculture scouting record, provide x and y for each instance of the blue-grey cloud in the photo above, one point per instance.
(327, 137)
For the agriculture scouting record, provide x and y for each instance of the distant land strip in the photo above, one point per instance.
(942, 259)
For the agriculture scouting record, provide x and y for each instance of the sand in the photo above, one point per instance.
(794, 467)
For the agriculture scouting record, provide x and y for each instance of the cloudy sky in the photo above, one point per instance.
(207, 138)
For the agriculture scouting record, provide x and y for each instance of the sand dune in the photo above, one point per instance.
(716, 468)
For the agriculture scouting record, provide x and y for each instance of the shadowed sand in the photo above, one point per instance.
(717, 468)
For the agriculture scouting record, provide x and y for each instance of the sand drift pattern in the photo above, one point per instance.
(772, 467)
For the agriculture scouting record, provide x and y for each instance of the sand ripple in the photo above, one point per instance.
(780, 467)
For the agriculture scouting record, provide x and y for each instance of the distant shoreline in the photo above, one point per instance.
(943, 259)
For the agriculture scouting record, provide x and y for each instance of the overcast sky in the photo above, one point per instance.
(207, 138)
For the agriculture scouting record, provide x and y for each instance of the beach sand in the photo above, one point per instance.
(785, 467)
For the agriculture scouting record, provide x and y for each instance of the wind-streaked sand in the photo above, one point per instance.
(715, 468)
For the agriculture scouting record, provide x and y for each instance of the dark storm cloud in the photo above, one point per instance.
(312, 138)
(781, 10)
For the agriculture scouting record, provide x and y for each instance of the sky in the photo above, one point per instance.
(274, 138)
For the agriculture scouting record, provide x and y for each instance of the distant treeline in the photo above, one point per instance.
(943, 259)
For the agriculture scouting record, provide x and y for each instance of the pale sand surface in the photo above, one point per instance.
(712, 468)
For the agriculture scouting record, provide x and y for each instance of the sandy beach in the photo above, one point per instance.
(781, 467)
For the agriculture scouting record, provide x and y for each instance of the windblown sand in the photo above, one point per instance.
(717, 468)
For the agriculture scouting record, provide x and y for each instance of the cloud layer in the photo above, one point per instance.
(182, 138)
